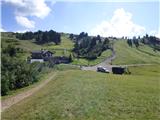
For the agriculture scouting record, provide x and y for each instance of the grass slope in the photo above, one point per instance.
(64, 49)
(86, 95)
(66, 43)
(131, 55)
(86, 62)
(43, 76)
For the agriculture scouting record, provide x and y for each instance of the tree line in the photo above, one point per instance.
(152, 41)
(89, 47)
(41, 37)
(133, 41)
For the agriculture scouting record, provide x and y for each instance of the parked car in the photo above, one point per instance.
(102, 69)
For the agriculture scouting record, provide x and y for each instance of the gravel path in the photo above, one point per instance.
(106, 63)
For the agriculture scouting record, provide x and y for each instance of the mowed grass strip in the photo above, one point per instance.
(132, 55)
(87, 95)
(151, 70)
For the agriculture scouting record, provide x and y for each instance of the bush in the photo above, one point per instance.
(17, 73)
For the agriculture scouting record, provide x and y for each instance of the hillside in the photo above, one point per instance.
(87, 95)
(30, 45)
(132, 55)
(124, 53)
(63, 49)
(80, 60)
(76, 94)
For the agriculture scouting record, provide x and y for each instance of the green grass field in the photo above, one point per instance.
(131, 55)
(30, 45)
(66, 43)
(43, 76)
(87, 95)
(86, 62)
(64, 49)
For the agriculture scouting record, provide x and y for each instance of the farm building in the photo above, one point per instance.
(118, 70)
(40, 56)
(45, 55)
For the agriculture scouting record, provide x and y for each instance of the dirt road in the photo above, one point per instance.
(15, 99)
(106, 63)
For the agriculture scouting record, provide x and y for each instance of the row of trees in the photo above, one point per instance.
(89, 47)
(133, 41)
(15, 72)
(41, 37)
(152, 41)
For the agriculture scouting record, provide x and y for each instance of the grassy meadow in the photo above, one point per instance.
(132, 55)
(86, 62)
(87, 95)
(66, 43)
(64, 49)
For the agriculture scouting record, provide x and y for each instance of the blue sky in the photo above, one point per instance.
(104, 18)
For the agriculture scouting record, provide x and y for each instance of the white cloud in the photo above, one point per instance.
(26, 8)
(36, 8)
(21, 31)
(2, 30)
(119, 25)
(23, 21)
(51, 2)
(155, 33)
(158, 34)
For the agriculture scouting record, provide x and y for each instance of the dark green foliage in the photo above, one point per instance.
(4, 84)
(82, 35)
(57, 39)
(133, 41)
(136, 42)
(25, 36)
(90, 47)
(106, 44)
(11, 50)
(70, 58)
(152, 41)
(106, 41)
(15, 72)
(129, 41)
(41, 37)
(71, 36)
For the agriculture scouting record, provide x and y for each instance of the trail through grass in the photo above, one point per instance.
(87, 95)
